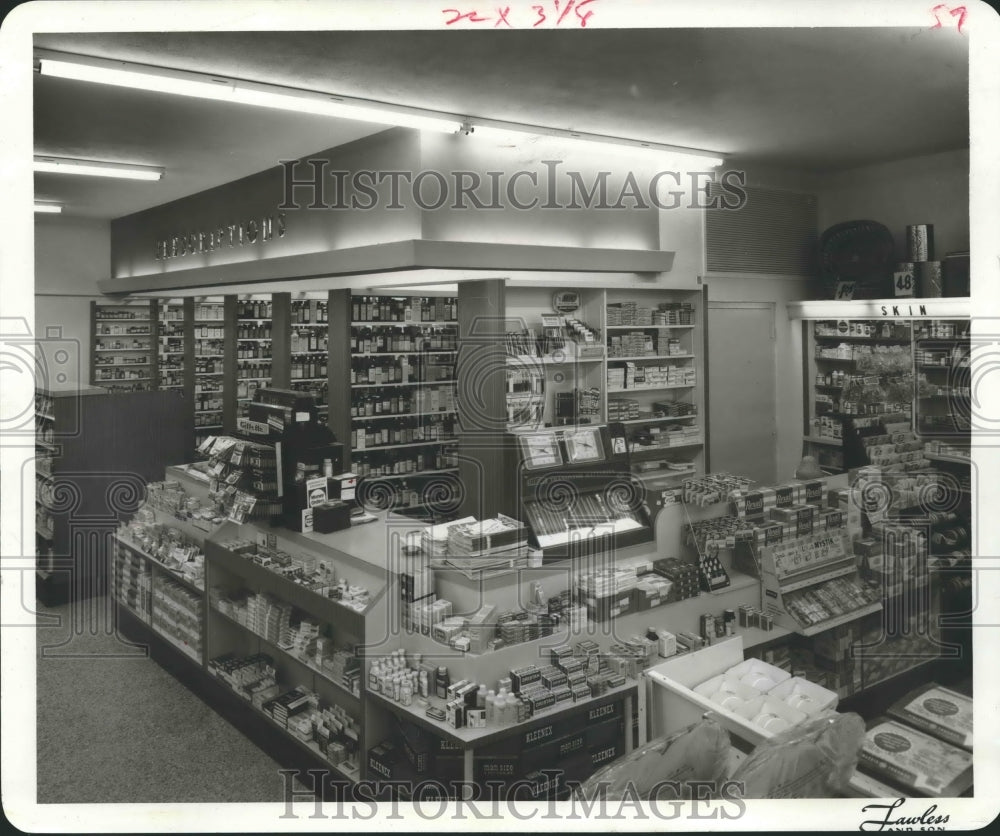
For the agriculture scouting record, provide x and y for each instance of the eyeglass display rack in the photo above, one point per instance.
(403, 412)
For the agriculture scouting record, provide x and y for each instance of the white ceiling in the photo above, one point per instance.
(814, 100)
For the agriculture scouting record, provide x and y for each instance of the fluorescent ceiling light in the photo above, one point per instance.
(162, 80)
(95, 168)
(51, 208)
(619, 146)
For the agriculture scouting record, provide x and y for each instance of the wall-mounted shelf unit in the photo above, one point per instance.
(124, 351)
(402, 405)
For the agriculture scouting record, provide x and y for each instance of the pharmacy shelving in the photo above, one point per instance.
(124, 350)
(170, 344)
(253, 347)
(654, 374)
(309, 350)
(207, 361)
(403, 419)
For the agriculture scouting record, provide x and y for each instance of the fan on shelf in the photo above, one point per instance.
(859, 252)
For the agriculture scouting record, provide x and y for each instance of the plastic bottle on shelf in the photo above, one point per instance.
(481, 696)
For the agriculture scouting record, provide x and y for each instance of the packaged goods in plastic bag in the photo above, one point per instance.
(663, 768)
(812, 760)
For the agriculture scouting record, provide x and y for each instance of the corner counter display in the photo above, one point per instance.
(574, 488)
(282, 461)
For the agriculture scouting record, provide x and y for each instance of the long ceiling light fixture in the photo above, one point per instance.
(619, 146)
(96, 168)
(220, 88)
(50, 208)
(179, 82)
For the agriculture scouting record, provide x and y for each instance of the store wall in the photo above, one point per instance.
(933, 189)
(779, 291)
(71, 255)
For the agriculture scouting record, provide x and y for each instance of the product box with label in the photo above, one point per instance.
(939, 711)
(914, 761)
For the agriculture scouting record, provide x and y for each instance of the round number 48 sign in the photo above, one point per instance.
(902, 283)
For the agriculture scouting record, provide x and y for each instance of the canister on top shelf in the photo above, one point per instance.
(930, 279)
(920, 242)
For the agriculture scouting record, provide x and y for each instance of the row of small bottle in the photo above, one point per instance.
(310, 340)
(122, 313)
(403, 309)
(308, 368)
(253, 351)
(208, 405)
(253, 309)
(253, 370)
(309, 312)
(208, 366)
(397, 402)
(411, 338)
(209, 332)
(395, 464)
(401, 432)
(253, 331)
(400, 371)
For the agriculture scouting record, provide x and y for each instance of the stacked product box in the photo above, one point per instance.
(177, 613)
(134, 582)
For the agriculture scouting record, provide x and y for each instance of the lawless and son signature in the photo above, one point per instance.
(884, 818)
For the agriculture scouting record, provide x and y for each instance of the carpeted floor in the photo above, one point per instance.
(113, 726)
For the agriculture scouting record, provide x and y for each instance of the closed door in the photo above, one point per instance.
(741, 389)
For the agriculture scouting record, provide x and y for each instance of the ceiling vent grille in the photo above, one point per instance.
(775, 232)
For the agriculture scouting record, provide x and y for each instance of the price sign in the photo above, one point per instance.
(845, 291)
(902, 283)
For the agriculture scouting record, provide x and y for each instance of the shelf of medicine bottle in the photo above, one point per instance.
(146, 348)
(121, 365)
(414, 352)
(308, 380)
(385, 416)
(412, 383)
(651, 388)
(409, 475)
(380, 447)
(642, 357)
(253, 339)
(405, 322)
(643, 327)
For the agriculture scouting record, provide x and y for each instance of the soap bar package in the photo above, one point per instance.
(914, 761)
(938, 711)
